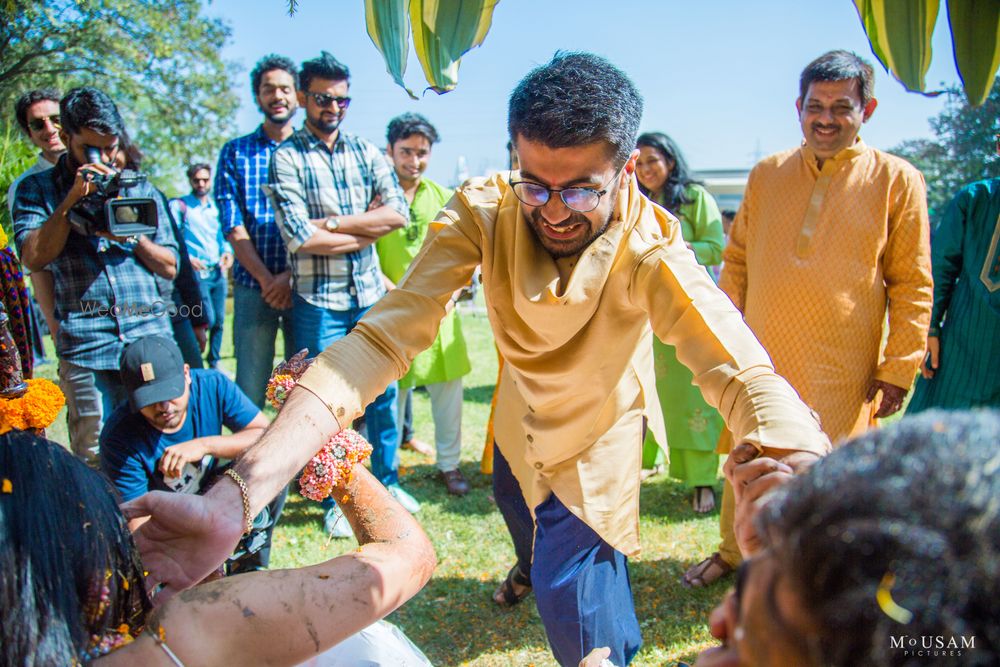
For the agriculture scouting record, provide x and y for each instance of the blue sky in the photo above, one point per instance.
(720, 76)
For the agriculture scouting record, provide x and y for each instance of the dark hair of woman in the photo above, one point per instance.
(59, 593)
(911, 509)
(678, 179)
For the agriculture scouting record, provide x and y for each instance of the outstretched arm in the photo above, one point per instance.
(288, 616)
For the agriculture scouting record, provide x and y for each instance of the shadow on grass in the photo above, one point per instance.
(454, 620)
(424, 483)
(479, 394)
(670, 499)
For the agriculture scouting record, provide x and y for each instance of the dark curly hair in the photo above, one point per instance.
(268, 63)
(920, 501)
(408, 124)
(324, 67)
(574, 100)
(62, 538)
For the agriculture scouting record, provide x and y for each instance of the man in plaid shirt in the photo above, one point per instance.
(334, 194)
(262, 292)
(106, 292)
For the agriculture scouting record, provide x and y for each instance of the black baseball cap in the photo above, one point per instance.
(152, 370)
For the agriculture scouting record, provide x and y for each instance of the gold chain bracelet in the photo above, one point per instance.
(247, 517)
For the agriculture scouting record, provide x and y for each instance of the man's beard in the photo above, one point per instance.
(558, 251)
(327, 127)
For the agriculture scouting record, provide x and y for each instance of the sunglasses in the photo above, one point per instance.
(323, 100)
(581, 200)
(38, 124)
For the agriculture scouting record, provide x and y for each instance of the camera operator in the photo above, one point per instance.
(106, 293)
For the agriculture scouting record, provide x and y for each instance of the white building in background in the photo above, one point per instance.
(461, 172)
(726, 185)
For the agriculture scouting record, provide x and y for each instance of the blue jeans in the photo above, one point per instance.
(255, 327)
(91, 397)
(315, 329)
(213, 298)
(581, 583)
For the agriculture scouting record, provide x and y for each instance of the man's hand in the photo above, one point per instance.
(722, 623)
(375, 202)
(174, 457)
(277, 292)
(932, 358)
(892, 398)
(201, 336)
(197, 264)
(752, 477)
(226, 261)
(83, 184)
(186, 536)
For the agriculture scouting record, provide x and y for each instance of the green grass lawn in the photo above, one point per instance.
(453, 619)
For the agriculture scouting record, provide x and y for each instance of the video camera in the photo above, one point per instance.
(110, 208)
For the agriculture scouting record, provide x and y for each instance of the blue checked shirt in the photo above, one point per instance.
(239, 177)
(105, 297)
(307, 182)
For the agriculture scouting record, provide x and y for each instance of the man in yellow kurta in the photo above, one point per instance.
(579, 269)
(831, 236)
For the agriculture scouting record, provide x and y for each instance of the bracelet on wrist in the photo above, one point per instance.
(245, 496)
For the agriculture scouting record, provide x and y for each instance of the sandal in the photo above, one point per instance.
(699, 576)
(506, 589)
(698, 499)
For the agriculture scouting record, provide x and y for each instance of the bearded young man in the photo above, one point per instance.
(579, 269)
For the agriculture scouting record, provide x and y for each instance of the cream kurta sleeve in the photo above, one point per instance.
(733, 371)
(908, 279)
(351, 372)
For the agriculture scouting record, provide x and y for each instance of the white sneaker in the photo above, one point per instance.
(335, 523)
(409, 503)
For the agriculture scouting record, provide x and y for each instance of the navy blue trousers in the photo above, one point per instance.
(581, 583)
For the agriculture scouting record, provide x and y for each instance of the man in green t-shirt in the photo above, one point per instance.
(441, 366)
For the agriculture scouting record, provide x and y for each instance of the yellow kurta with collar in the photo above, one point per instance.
(815, 259)
(575, 336)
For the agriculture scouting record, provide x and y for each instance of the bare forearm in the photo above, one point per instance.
(323, 242)
(44, 244)
(247, 255)
(302, 427)
(230, 446)
(376, 222)
(44, 288)
(156, 258)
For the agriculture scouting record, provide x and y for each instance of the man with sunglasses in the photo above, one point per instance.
(579, 269)
(37, 113)
(106, 290)
(334, 195)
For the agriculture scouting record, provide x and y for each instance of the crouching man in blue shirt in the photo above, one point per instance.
(169, 435)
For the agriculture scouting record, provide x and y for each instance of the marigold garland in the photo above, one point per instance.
(332, 465)
(36, 409)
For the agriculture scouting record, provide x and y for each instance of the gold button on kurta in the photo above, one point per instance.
(575, 335)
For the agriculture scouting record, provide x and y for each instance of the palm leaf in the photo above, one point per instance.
(975, 34)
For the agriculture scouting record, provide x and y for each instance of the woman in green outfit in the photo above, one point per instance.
(693, 426)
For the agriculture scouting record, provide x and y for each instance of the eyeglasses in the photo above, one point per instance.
(323, 100)
(581, 200)
(38, 124)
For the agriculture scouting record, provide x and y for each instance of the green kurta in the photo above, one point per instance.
(693, 427)
(446, 359)
(965, 256)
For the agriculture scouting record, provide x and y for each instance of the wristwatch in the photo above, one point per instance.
(332, 223)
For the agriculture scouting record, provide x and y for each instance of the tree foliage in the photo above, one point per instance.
(963, 150)
(160, 61)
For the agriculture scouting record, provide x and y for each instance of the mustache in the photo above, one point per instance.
(575, 218)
